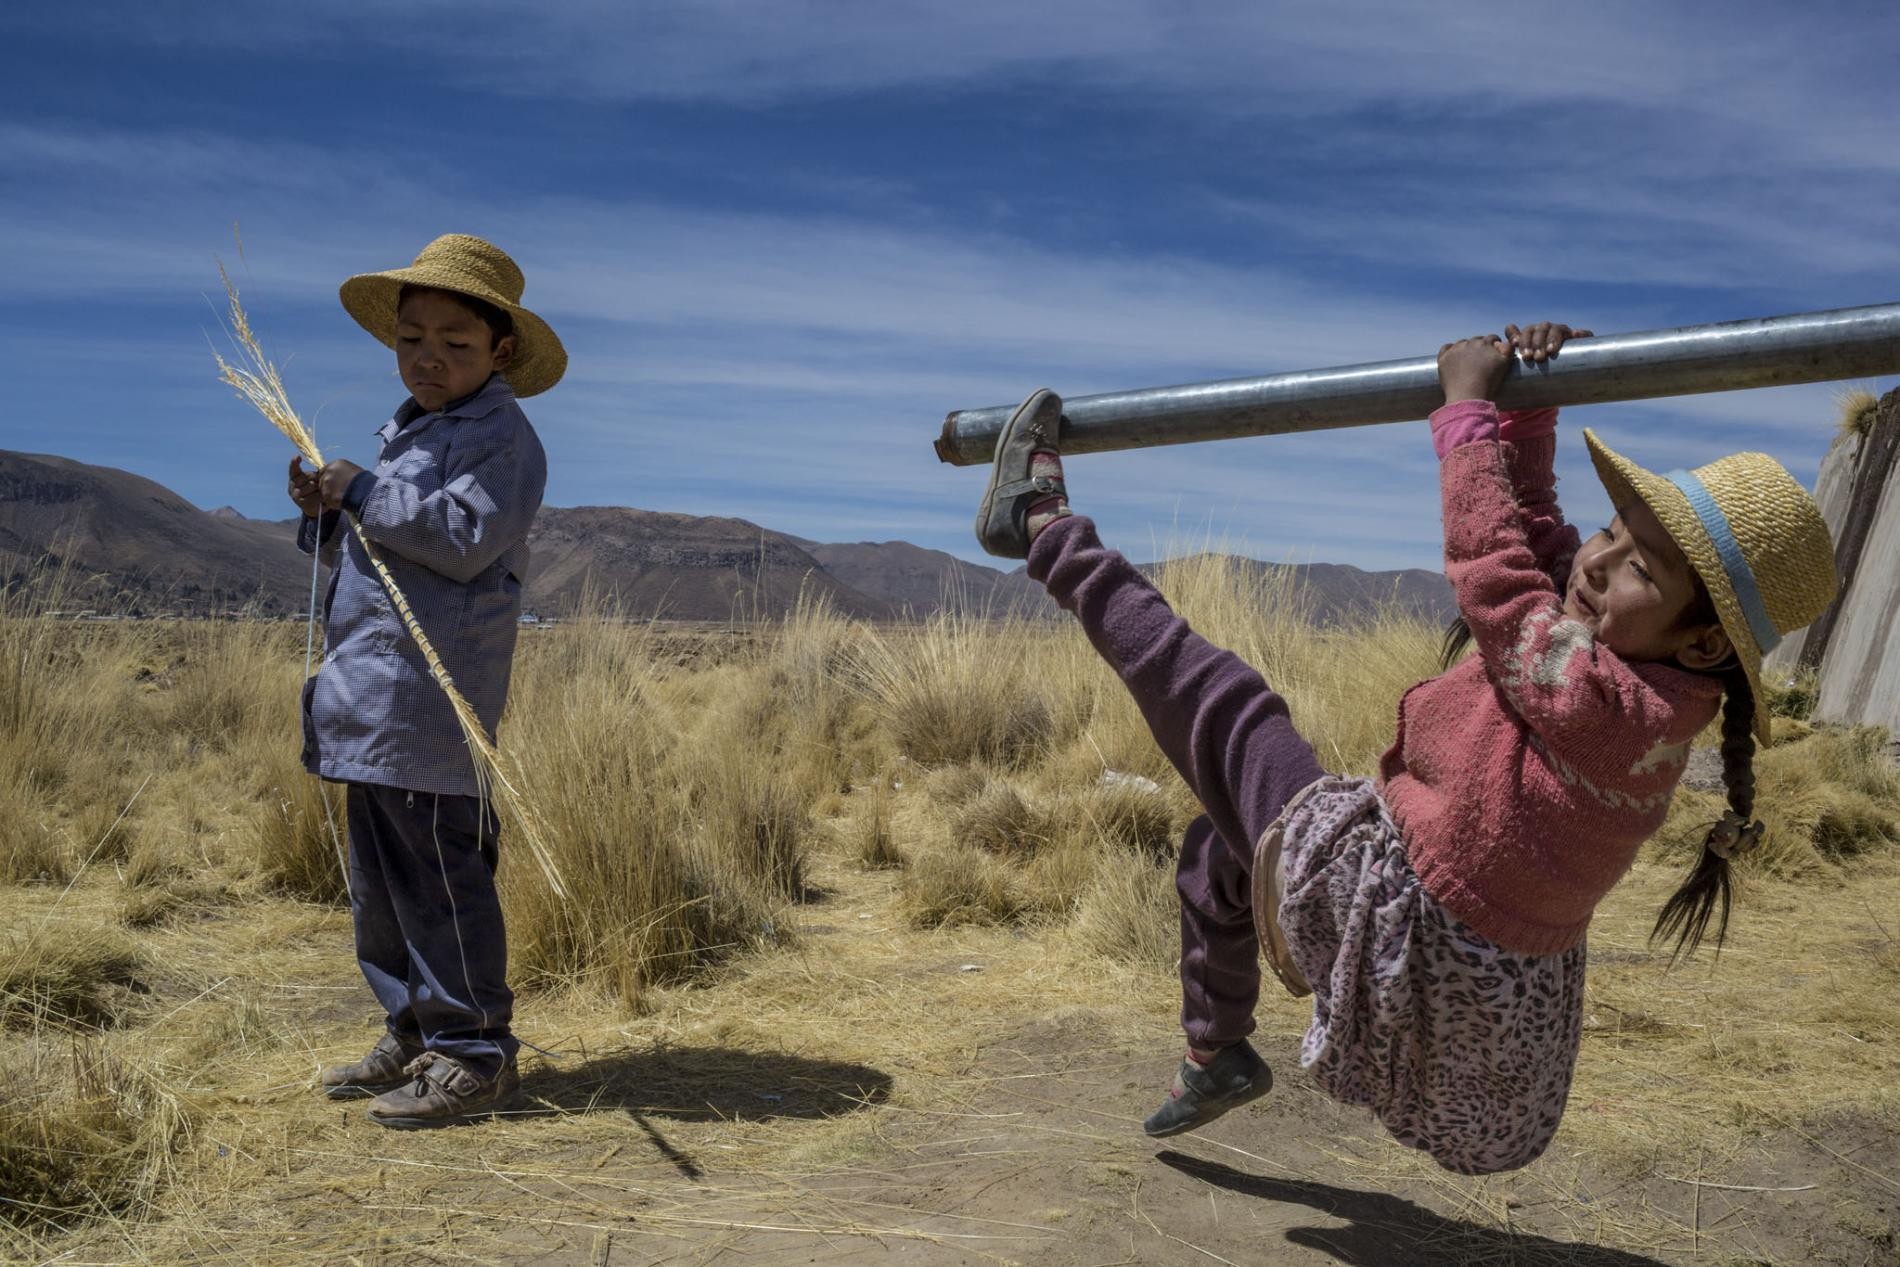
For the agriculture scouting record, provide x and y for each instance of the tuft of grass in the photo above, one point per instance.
(104, 830)
(999, 821)
(1858, 408)
(873, 846)
(31, 851)
(1131, 913)
(1131, 817)
(84, 1135)
(679, 805)
(300, 824)
(66, 692)
(748, 798)
(590, 717)
(1792, 694)
(236, 686)
(955, 785)
(960, 689)
(240, 1026)
(65, 976)
(957, 885)
(148, 908)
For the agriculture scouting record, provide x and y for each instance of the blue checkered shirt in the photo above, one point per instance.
(448, 506)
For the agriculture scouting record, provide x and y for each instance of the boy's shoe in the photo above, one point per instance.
(439, 1091)
(1199, 1095)
(374, 1073)
(1002, 518)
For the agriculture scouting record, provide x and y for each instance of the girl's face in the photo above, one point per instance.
(444, 351)
(1632, 588)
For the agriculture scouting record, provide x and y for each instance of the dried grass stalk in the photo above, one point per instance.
(258, 382)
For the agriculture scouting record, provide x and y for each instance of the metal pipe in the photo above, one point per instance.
(1810, 347)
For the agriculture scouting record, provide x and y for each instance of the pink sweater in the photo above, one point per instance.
(1525, 779)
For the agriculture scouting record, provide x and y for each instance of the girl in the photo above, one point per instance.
(1439, 910)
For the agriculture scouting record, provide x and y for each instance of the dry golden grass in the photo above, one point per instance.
(874, 845)
(1822, 798)
(63, 977)
(830, 857)
(1858, 407)
(83, 1134)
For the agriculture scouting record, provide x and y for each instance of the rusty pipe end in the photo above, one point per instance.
(946, 443)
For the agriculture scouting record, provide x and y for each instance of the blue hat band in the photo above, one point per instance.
(1740, 575)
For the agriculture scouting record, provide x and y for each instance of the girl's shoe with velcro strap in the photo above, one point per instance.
(1002, 518)
(1199, 1095)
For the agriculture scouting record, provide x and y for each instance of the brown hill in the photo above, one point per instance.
(127, 544)
(681, 567)
(1340, 592)
(917, 582)
(131, 545)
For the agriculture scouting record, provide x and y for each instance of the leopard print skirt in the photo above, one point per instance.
(1460, 1047)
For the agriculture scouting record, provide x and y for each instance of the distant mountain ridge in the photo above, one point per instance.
(131, 545)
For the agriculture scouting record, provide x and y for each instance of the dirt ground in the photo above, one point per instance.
(875, 1093)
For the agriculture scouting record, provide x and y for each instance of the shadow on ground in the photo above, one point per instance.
(1384, 1229)
(704, 1083)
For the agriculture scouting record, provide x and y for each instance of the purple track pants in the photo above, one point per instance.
(1228, 734)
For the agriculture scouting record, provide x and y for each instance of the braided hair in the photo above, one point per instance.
(1708, 890)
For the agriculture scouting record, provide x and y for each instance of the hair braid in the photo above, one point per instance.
(1709, 888)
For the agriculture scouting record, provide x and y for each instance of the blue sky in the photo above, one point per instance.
(781, 240)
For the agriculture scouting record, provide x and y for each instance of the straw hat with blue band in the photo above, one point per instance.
(1753, 535)
(468, 266)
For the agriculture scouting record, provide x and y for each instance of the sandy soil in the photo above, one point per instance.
(880, 1094)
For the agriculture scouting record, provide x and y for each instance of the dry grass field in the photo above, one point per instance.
(868, 953)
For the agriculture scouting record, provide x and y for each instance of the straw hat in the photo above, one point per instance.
(1752, 534)
(467, 266)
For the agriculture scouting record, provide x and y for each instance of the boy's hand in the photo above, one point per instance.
(1539, 342)
(334, 480)
(1471, 369)
(303, 489)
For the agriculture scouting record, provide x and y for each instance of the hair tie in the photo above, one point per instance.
(1733, 836)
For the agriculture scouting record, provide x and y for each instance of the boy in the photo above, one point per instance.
(448, 507)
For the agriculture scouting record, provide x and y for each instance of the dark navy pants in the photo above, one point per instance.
(1228, 734)
(428, 921)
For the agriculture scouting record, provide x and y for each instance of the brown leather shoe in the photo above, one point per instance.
(439, 1091)
(374, 1073)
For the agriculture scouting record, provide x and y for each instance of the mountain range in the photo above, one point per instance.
(124, 544)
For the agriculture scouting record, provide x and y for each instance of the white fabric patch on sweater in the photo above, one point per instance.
(1568, 638)
(1663, 754)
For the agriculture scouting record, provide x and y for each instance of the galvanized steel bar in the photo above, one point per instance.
(1810, 347)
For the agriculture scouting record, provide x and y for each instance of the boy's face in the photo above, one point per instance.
(443, 350)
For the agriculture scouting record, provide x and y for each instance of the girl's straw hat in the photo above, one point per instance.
(1752, 534)
(467, 266)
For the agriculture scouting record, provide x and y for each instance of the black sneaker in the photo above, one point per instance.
(1235, 1076)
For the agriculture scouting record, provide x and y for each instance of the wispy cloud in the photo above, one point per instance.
(777, 262)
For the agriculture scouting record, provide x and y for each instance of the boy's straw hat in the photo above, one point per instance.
(1752, 534)
(467, 266)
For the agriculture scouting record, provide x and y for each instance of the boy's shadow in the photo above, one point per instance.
(1386, 1231)
(698, 1084)
(703, 1084)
